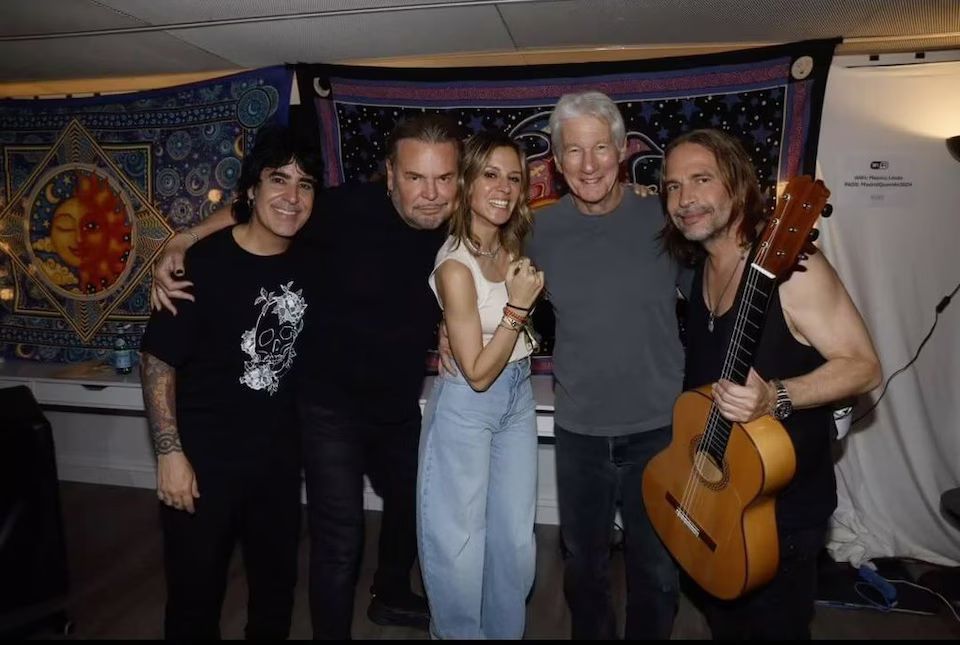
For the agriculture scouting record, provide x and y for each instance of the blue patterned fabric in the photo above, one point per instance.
(91, 189)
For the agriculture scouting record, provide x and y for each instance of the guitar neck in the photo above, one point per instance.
(748, 325)
(751, 314)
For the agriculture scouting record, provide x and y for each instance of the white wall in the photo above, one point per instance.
(896, 248)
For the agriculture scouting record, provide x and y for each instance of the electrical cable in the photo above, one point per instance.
(867, 589)
(938, 310)
(949, 604)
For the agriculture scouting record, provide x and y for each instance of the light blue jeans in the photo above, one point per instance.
(476, 501)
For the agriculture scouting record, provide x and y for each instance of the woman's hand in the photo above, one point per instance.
(524, 283)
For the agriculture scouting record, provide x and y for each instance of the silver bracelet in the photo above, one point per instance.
(508, 323)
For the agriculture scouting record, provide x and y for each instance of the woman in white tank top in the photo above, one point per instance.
(476, 485)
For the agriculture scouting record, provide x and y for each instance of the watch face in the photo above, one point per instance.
(782, 410)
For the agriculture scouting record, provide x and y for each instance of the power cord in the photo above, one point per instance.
(939, 310)
(872, 584)
(949, 604)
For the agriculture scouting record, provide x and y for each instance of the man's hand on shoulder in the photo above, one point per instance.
(166, 287)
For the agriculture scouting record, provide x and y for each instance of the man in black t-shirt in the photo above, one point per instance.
(368, 253)
(219, 398)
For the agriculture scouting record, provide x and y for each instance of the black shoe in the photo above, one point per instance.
(409, 610)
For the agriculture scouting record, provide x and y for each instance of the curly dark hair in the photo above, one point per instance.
(274, 147)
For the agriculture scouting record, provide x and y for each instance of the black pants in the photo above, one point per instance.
(592, 474)
(781, 609)
(337, 452)
(257, 506)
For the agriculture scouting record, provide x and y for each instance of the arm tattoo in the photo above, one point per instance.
(159, 397)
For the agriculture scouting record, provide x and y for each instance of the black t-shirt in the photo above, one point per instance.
(811, 496)
(365, 349)
(234, 349)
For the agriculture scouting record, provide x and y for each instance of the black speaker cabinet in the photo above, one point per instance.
(33, 560)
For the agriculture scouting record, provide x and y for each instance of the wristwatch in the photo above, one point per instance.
(783, 406)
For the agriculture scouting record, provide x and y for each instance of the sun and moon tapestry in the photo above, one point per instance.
(92, 188)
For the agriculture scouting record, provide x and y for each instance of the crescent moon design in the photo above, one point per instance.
(319, 89)
(48, 193)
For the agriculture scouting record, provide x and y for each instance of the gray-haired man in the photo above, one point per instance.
(618, 365)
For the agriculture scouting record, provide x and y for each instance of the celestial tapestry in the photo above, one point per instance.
(769, 98)
(91, 189)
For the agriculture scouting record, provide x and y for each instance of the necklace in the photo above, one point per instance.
(476, 250)
(712, 310)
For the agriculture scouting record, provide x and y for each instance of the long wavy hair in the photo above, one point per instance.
(739, 178)
(476, 154)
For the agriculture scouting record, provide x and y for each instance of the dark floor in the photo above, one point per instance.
(113, 545)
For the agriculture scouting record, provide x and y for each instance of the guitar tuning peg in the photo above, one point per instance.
(814, 234)
(827, 211)
(803, 257)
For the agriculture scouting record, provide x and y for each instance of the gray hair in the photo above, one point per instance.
(595, 104)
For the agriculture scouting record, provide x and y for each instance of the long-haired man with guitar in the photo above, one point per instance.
(812, 348)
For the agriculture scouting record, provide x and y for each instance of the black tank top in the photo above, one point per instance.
(810, 498)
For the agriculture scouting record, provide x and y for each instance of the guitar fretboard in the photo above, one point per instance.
(751, 313)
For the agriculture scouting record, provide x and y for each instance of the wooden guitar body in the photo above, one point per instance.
(718, 518)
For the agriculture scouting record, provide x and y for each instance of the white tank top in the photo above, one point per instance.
(491, 296)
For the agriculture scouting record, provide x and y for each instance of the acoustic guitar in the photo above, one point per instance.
(710, 494)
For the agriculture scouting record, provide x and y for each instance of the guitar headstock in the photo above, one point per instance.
(790, 230)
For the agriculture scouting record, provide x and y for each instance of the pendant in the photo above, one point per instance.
(710, 323)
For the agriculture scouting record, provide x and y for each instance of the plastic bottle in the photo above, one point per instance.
(122, 355)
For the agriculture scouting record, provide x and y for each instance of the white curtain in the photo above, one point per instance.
(895, 241)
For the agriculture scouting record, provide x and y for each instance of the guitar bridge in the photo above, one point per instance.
(689, 522)
(686, 520)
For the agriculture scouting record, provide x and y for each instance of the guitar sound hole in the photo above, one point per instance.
(711, 473)
(708, 469)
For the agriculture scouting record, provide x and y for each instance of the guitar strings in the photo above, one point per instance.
(715, 436)
(715, 422)
(707, 441)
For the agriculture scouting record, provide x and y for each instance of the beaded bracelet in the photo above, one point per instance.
(514, 316)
